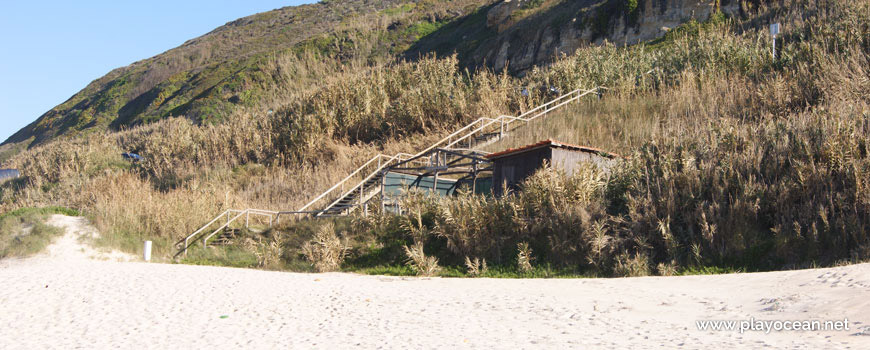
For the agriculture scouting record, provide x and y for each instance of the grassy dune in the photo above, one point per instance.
(738, 160)
(23, 232)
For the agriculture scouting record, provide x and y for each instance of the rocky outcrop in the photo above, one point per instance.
(501, 12)
(525, 40)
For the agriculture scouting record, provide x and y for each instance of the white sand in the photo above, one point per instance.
(66, 301)
(74, 244)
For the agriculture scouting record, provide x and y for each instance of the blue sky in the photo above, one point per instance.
(49, 50)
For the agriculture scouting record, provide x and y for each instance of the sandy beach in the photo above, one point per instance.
(78, 298)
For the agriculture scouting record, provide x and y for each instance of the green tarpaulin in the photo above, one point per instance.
(395, 183)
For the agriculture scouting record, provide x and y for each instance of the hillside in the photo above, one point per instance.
(736, 160)
(210, 70)
(232, 68)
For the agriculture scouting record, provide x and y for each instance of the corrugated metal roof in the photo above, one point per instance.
(552, 143)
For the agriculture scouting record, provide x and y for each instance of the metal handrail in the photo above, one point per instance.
(377, 157)
(491, 121)
(484, 122)
(399, 156)
(273, 215)
(187, 239)
(205, 240)
(551, 102)
(447, 139)
(367, 178)
(548, 107)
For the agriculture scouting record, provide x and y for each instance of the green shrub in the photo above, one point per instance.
(23, 232)
(326, 252)
(531, 4)
(424, 265)
(230, 256)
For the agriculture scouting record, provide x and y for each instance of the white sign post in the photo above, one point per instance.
(774, 31)
(147, 251)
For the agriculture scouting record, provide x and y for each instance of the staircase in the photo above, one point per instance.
(364, 183)
(480, 133)
(227, 237)
(225, 233)
(484, 140)
(357, 196)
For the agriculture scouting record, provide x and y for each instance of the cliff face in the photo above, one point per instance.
(525, 39)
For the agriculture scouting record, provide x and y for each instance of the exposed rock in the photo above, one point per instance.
(670, 15)
(501, 58)
(518, 50)
(500, 13)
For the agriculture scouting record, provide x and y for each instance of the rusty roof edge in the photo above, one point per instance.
(521, 149)
(554, 143)
(588, 149)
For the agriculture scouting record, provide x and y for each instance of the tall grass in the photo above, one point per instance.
(424, 265)
(326, 252)
(736, 158)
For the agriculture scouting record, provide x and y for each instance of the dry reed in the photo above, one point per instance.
(326, 252)
(736, 158)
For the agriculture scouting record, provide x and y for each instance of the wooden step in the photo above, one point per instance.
(226, 238)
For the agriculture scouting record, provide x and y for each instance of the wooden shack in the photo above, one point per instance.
(512, 166)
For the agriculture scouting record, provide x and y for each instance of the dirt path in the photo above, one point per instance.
(74, 244)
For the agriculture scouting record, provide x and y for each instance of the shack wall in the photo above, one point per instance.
(511, 170)
(482, 186)
(570, 160)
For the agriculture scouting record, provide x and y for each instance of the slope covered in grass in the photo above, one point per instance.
(23, 232)
(265, 60)
(738, 160)
(228, 69)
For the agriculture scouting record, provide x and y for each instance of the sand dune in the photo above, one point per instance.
(66, 301)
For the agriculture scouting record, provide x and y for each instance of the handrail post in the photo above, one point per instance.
(247, 219)
(478, 127)
(501, 133)
(383, 195)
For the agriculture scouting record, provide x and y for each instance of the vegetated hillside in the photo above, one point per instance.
(235, 67)
(201, 77)
(518, 35)
(738, 160)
